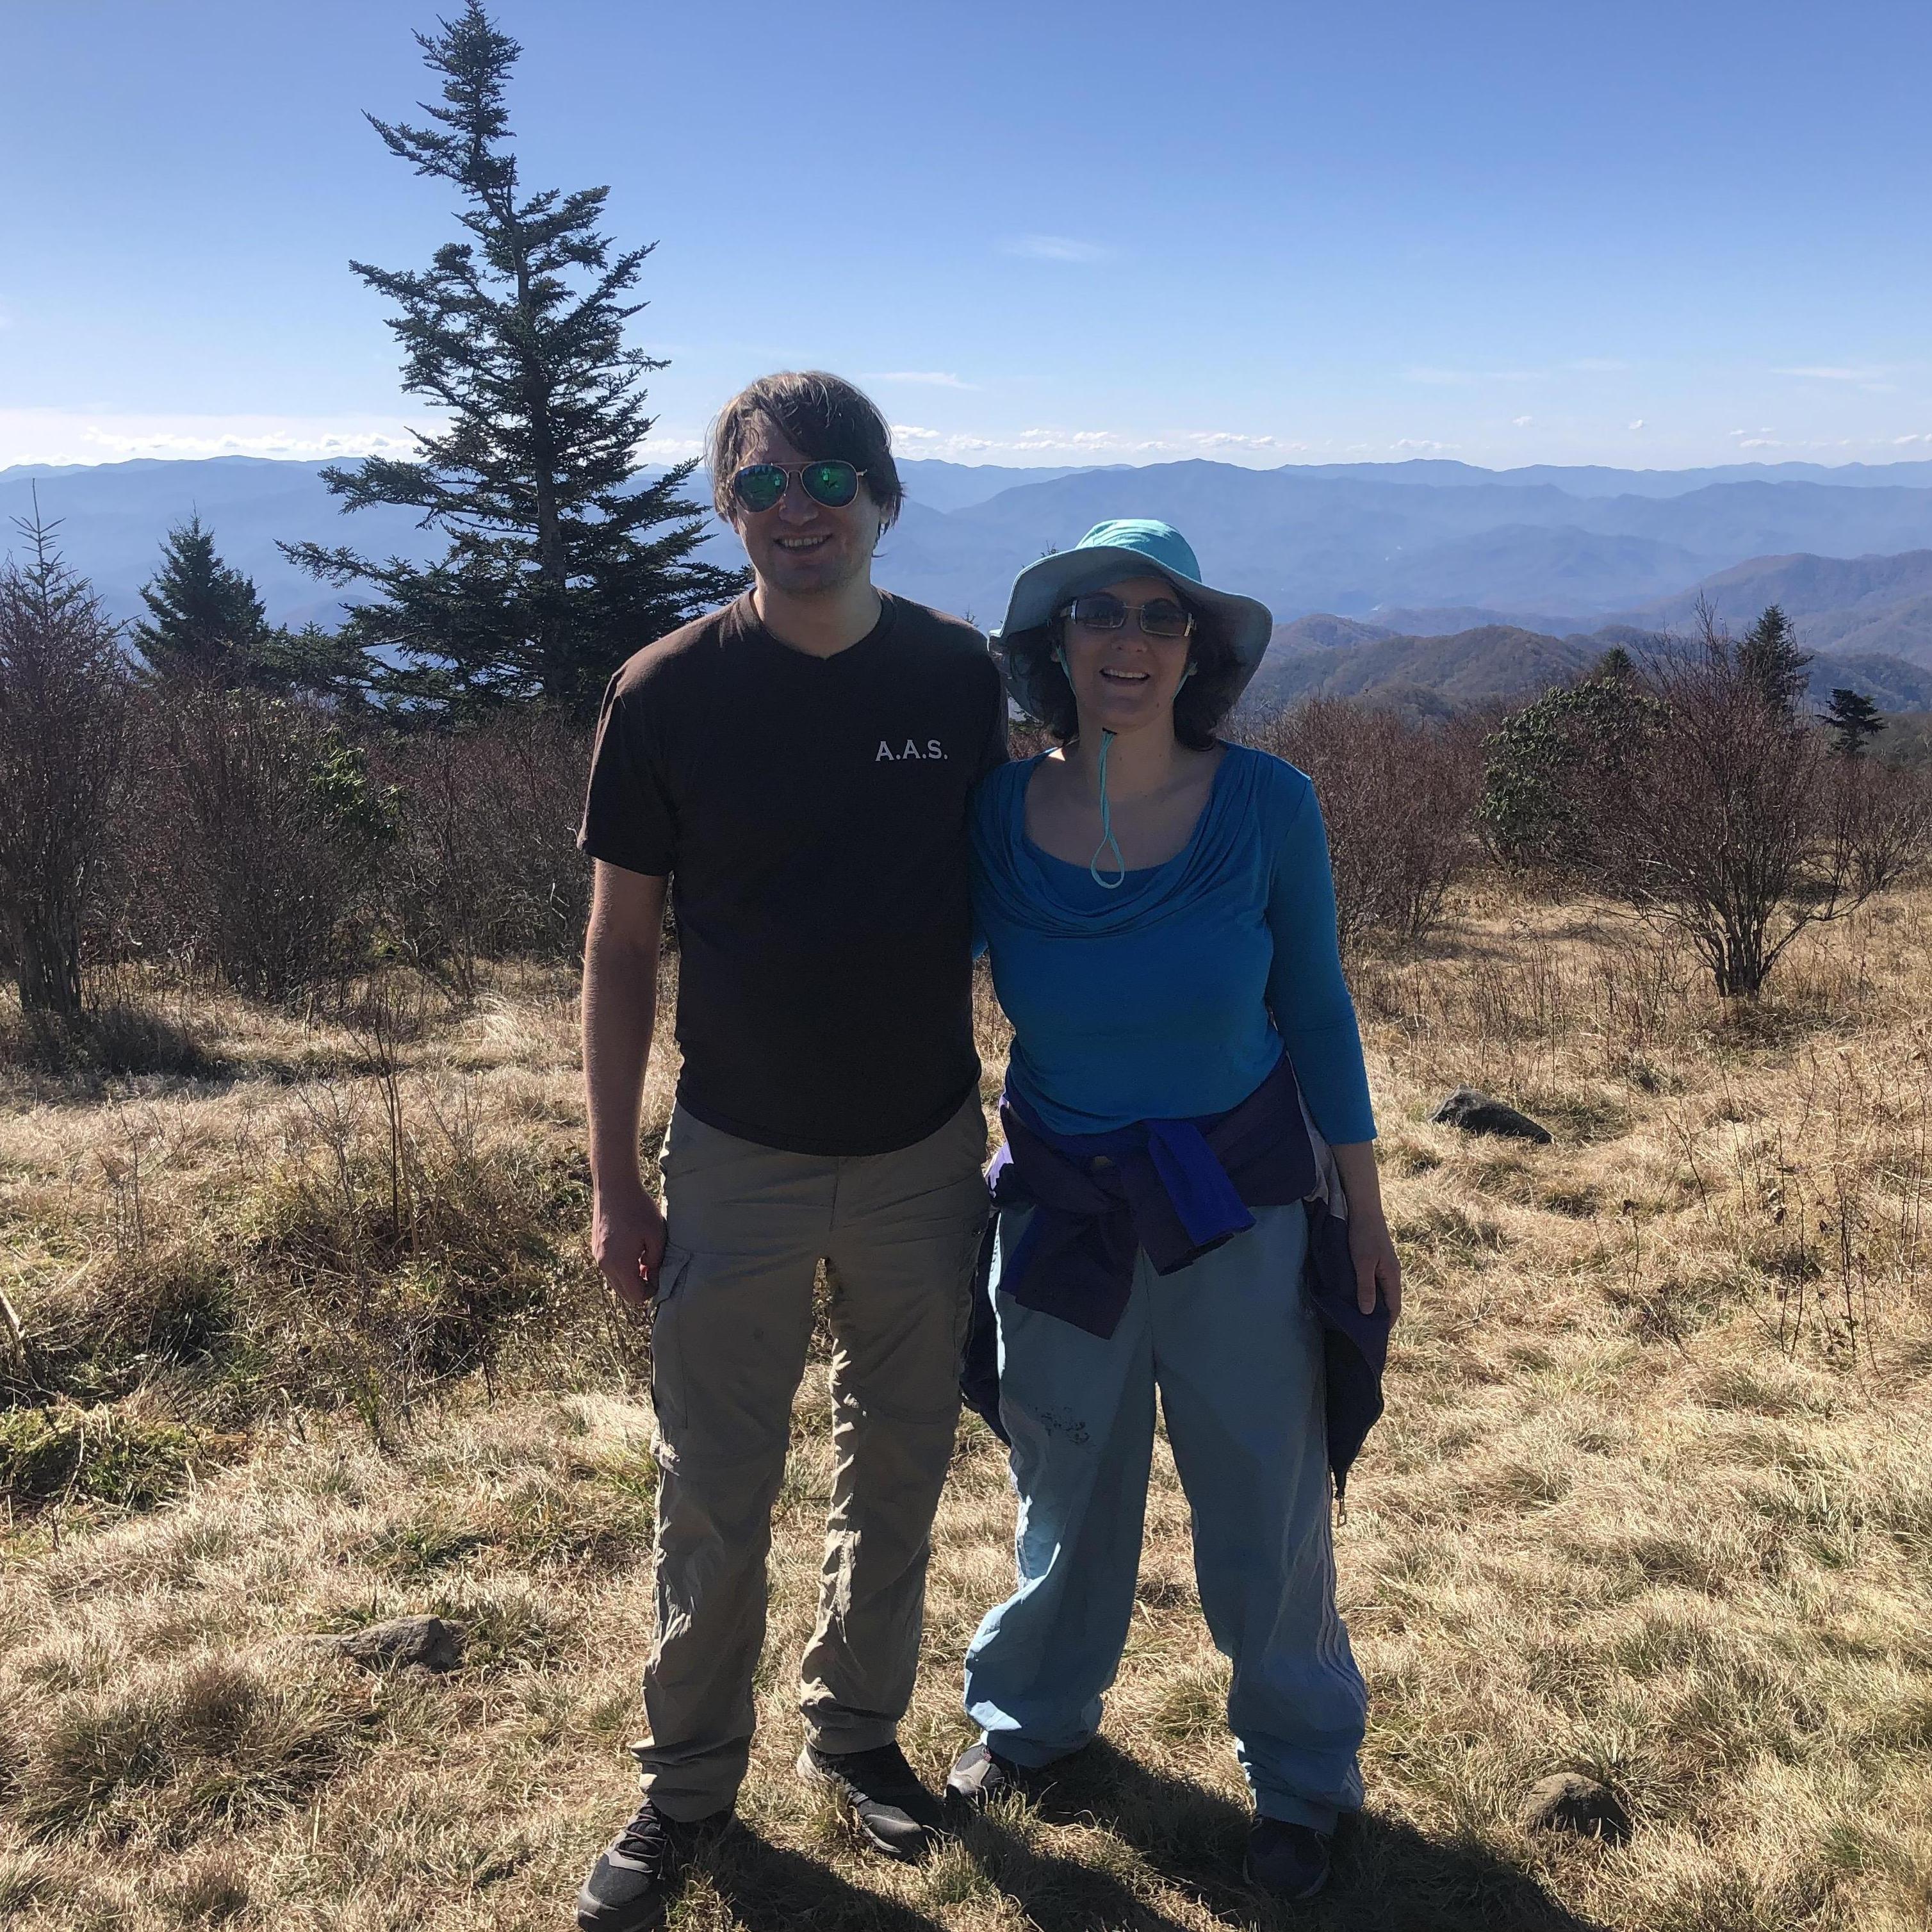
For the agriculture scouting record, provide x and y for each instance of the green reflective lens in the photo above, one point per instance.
(759, 485)
(1163, 618)
(833, 484)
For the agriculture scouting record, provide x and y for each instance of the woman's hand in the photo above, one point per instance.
(1377, 1268)
(1372, 1247)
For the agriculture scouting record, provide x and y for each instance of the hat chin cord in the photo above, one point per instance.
(1108, 840)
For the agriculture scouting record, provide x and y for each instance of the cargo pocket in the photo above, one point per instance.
(667, 1380)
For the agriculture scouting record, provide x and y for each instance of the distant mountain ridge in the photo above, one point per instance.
(1493, 663)
(1843, 604)
(1405, 547)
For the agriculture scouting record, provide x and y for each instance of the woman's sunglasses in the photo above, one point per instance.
(761, 486)
(1160, 616)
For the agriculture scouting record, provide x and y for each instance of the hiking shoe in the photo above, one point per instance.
(894, 1812)
(979, 1774)
(641, 1870)
(1290, 1860)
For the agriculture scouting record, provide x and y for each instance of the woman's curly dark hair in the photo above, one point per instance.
(1200, 706)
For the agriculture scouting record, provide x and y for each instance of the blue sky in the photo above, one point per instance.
(1645, 234)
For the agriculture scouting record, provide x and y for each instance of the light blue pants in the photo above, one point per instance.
(1236, 1351)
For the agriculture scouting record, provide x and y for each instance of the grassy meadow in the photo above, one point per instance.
(302, 1334)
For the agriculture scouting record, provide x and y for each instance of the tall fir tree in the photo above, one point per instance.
(1768, 656)
(204, 620)
(561, 561)
(1851, 719)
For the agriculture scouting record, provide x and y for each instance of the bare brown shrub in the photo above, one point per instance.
(1735, 825)
(1398, 799)
(487, 865)
(260, 838)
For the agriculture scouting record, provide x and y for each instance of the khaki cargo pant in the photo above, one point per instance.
(732, 1319)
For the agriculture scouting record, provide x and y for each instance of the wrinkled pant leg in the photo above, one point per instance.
(1080, 1412)
(905, 1242)
(730, 1325)
(1238, 1352)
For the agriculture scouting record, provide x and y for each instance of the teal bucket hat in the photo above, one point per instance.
(1125, 547)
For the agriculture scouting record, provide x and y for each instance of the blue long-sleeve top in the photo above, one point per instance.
(1174, 995)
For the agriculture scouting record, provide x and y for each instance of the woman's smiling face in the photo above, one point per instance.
(1124, 680)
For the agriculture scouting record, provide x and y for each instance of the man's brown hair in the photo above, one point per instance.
(824, 418)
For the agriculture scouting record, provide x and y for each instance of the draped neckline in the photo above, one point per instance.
(1026, 884)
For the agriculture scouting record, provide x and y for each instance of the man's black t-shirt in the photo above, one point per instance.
(812, 813)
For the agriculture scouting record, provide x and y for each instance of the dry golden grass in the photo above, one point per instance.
(1653, 1498)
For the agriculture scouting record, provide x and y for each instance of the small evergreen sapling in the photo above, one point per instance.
(1770, 660)
(1852, 719)
(204, 620)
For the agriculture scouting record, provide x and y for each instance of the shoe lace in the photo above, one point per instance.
(647, 1839)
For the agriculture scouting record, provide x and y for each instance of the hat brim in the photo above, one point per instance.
(1047, 584)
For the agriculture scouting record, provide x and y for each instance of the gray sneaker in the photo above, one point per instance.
(879, 1791)
(641, 1870)
(979, 1774)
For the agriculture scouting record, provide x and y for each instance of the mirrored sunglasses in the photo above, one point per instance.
(761, 486)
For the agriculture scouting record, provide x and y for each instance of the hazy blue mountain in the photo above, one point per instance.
(1446, 620)
(1348, 545)
(1422, 547)
(1849, 605)
(1475, 667)
(1323, 632)
(1890, 683)
(953, 486)
(1498, 663)
(114, 515)
(1597, 480)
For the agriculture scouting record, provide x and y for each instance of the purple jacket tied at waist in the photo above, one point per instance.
(1174, 1190)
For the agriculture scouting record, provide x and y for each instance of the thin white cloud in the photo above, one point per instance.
(1046, 442)
(1638, 423)
(1057, 248)
(1597, 365)
(1422, 445)
(1522, 422)
(930, 379)
(1463, 379)
(62, 437)
(1824, 373)
(81, 436)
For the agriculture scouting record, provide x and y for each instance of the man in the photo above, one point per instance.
(799, 763)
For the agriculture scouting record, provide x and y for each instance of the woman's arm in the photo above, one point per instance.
(1306, 992)
(1310, 999)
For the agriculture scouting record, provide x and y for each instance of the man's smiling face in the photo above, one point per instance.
(799, 547)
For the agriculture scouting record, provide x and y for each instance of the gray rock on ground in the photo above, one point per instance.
(404, 1643)
(1569, 1802)
(1476, 1113)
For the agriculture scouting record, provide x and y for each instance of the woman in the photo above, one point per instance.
(1185, 1093)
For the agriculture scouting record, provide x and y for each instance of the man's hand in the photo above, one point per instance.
(627, 1238)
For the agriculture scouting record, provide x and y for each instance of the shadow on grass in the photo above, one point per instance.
(766, 1888)
(1386, 1874)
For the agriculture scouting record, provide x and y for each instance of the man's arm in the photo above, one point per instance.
(620, 999)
